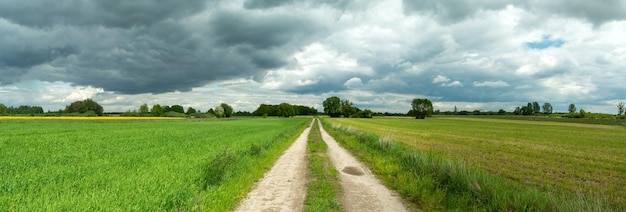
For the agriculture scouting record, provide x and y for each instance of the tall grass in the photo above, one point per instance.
(431, 182)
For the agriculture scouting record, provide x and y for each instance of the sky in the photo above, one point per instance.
(475, 55)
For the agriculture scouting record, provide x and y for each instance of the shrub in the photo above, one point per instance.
(174, 114)
(213, 173)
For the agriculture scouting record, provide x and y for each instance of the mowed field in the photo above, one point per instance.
(573, 158)
(138, 164)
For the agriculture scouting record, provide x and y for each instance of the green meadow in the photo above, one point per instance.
(548, 163)
(145, 165)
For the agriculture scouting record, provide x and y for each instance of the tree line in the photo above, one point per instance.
(158, 110)
(283, 110)
(336, 107)
(21, 110)
(221, 111)
(534, 108)
(333, 106)
(84, 107)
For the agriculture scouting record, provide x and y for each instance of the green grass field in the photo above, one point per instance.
(574, 158)
(145, 165)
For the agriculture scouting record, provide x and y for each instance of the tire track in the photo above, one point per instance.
(362, 191)
(283, 187)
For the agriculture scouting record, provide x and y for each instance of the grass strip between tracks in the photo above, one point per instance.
(323, 187)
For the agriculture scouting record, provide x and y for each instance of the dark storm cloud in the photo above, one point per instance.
(262, 31)
(266, 4)
(596, 12)
(452, 11)
(28, 56)
(146, 46)
(43, 13)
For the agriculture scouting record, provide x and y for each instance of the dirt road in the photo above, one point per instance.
(362, 191)
(283, 187)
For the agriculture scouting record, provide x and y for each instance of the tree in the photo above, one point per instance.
(93, 106)
(620, 108)
(304, 110)
(265, 109)
(177, 108)
(84, 106)
(421, 108)
(517, 111)
(219, 111)
(572, 108)
(501, 112)
(157, 110)
(3, 109)
(347, 108)
(191, 111)
(228, 110)
(286, 110)
(526, 110)
(583, 113)
(332, 106)
(367, 113)
(547, 108)
(529, 109)
(143, 110)
(536, 108)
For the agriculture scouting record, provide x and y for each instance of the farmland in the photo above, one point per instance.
(140, 164)
(572, 158)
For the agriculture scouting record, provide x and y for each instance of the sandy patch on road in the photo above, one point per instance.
(283, 187)
(362, 191)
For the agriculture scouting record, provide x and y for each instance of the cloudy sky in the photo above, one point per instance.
(483, 54)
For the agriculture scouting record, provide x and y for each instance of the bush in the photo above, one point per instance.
(90, 113)
(174, 114)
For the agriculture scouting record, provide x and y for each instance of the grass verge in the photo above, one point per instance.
(323, 188)
(431, 182)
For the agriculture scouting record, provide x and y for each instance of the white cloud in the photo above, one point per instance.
(455, 83)
(445, 81)
(311, 65)
(440, 79)
(495, 84)
(353, 82)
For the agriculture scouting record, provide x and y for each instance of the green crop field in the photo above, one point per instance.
(145, 165)
(572, 158)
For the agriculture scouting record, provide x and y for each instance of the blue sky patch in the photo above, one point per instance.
(546, 42)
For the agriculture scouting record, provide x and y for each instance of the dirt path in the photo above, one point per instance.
(283, 187)
(362, 191)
